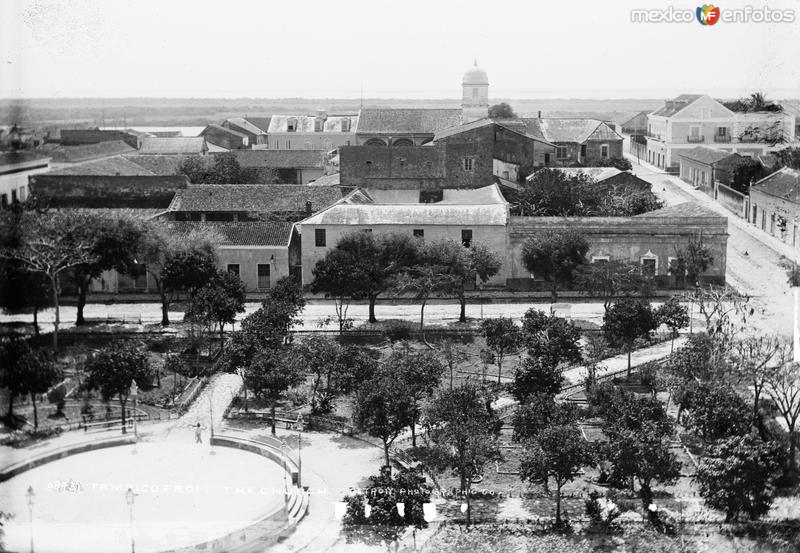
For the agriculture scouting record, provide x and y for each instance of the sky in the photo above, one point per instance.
(406, 49)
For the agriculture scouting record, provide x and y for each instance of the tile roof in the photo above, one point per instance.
(326, 180)
(569, 130)
(280, 159)
(513, 125)
(182, 145)
(306, 123)
(784, 183)
(141, 214)
(243, 125)
(685, 209)
(116, 165)
(74, 154)
(671, 107)
(261, 122)
(477, 207)
(709, 156)
(260, 198)
(23, 156)
(159, 164)
(224, 130)
(265, 233)
(408, 121)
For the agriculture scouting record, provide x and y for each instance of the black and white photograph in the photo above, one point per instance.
(361, 276)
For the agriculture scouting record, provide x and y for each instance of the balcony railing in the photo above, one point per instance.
(695, 139)
(653, 135)
(722, 139)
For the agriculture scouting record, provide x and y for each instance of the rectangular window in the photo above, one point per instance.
(419, 233)
(600, 259)
(649, 265)
(547, 159)
(13, 196)
(583, 150)
(469, 164)
(233, 268)
(319, 238)
(604, 150)
(466, 237)
(722, 132)
(562, 152)
(4, 200)
(263, 276)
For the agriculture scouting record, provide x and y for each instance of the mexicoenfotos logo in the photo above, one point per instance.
(707, 14)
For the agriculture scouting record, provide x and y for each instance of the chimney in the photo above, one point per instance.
(308, 209)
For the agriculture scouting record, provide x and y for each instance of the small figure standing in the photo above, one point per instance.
(198, 439)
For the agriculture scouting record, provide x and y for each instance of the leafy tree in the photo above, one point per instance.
(738, 476)
(789, 157)
(270, 374)
(558, 452)
(225, 169)
(423, 281)
(420, 373)
(501, 111)
(383, 408)
(340, 277)
(22, 290)
(46, 243)
(169, 256)
(610, 279)
(621, 163)
(757, 101)
(534, 376)
(746, 171)
(539, 412)
(692, 260)
(717, 412)
(385, 521)
(553, 339)
(379, 258)
(751, 363)
(463, 432)
(26, 371)
(113, 369)
(626, 321)
(503, 337)
(114, 244)
(452, 354)
(674, 316)
(555, 256)
(218, 303)
(643, 455)
(783, 386)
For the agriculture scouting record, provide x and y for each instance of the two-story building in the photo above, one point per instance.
(15, 168)
(690, 120)
(577, 141)
(775, 205)
(312, 132)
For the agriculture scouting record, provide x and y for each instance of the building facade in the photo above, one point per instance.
(312, 132)
(690, 120)
(775, 205)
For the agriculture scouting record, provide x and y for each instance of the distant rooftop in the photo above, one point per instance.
(784, 184)
(182, 145)
(259, 198)
(407, 120)
(266, 233)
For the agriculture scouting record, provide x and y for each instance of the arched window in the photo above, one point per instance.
(375, 142)
(403, 142)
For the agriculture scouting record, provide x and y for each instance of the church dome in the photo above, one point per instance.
(475, 75)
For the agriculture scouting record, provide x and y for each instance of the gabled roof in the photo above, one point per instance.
(509, 125)
(74, 154)
(116, 165)
(267, 233)
(244, 125)
(407, 120)
(575, 130)
(634, 117)
(671, 107)
(262, 123)
(784, 184)
(220, 129)
(306, 123)
(259, 198)
(709, 156)
(182, 145)
(280, 159)
(473, 207)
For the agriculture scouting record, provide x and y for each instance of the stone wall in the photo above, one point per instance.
(627, 239)
(107, 191)
(418, 167)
